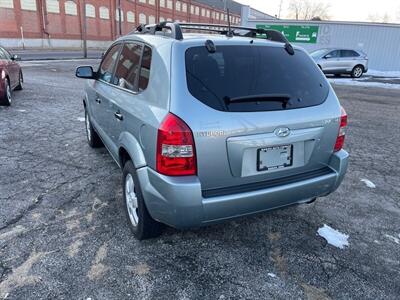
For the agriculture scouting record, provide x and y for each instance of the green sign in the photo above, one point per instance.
(295, 33)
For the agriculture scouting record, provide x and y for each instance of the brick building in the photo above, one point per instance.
(58, 23)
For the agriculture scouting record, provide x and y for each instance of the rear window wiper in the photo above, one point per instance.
(283, 98)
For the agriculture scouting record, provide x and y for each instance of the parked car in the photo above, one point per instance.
(341, 61)
(210, 127)
(11, 77)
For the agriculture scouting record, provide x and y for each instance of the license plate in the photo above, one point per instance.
(275, 157)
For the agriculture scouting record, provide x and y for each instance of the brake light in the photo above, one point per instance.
(342, 131)
(3, 74)
(175, 148)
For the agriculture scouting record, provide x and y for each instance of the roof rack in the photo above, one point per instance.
(174, 30)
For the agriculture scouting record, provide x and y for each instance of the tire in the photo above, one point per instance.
(92, 137)
(357, 71)
(6, 99)
(142, 225)
(20, 82)
(337, 75)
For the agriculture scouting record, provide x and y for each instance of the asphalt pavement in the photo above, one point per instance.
(54, 54)
(64, 234)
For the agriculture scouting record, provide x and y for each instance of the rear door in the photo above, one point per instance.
(12, 68)
(256, 112)
(348, 59)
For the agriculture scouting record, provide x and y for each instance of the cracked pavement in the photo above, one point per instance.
(63, 231)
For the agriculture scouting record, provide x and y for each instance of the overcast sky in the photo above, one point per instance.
(343, 10)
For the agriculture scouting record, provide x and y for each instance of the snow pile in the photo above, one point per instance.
(271, 275)
(368, 183)
(361, 83)
(334, 237)
(387, 74)
(80, 119)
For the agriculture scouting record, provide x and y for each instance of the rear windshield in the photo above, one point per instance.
(254, 78)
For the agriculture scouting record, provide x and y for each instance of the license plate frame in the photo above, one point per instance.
(274, 157)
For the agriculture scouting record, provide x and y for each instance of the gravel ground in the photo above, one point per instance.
(63, 232)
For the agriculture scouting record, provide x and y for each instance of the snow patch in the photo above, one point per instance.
(271, 275)
(81, 119)
(21, 110)
(388, 74)
(334, 237)
(368, 183)
(393, 238)
(355, 82)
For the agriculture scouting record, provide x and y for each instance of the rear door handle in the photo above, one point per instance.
(119, 116)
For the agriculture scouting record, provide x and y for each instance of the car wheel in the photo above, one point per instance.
(142, 225)
(7, 97)
(20, 82)
(93, 138)
(357, 71)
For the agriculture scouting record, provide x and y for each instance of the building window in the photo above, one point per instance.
(90, 11)
(169, 19)
(7, 3)
(104, 13)
(169, 4)
(152, 2)
(130, 17)
(152, 19)
(192, 9)
(70, 8)
(162, 3)
(208, 13)
(184, 7)
(203, 12)
(117, 15)
(197, 11)
(142, 19)
(162, 19)
(178, 6)
(53, 6)
(28, 5)
(142, 1)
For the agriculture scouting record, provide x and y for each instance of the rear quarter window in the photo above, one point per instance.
(242, 71)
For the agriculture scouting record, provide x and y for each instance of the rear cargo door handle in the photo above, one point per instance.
(119, 116)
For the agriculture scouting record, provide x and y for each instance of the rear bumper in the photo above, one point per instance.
(181, 203)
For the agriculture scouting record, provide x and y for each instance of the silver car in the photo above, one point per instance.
(209, 127)
(341, 61)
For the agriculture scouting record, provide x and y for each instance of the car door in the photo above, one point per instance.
(12, 69)
(102, 89)
(348, 59)
(330, 61)
(126, 81)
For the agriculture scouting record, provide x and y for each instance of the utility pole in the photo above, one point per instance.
(82, 8)
(119, 17)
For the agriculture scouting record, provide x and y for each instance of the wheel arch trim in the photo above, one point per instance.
(132, 146)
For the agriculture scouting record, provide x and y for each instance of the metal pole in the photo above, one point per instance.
(119, 18)
(280, 9)
(84, 27)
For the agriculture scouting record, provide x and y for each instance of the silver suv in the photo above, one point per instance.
(341, 61)
(208, 127)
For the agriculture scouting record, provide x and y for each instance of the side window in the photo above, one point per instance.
(349, 53)
(145, 69)
(128, 66)
(334, 54)
(107, 65)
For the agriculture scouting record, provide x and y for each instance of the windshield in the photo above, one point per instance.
(317, 53)
(242, 71)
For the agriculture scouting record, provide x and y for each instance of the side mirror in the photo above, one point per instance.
(15, 57)
(85, 72)
(328, 56)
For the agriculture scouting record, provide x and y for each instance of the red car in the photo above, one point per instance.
(11, 77)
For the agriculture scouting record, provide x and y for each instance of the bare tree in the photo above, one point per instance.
(385, 18)
(308, 9)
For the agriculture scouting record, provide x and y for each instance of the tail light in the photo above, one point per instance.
(342, 131)
(3, 74)
(176, 154)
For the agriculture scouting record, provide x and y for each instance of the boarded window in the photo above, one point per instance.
(70, 8)
(178, 6)
(169, 4)
(53, 6)
(130, 17)
(104, 13)
(184, 7)
(152, 19)
(162, 3)
(142, 19)
(90, 11)
(7, 3)
(28, 5)
(197, 11)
